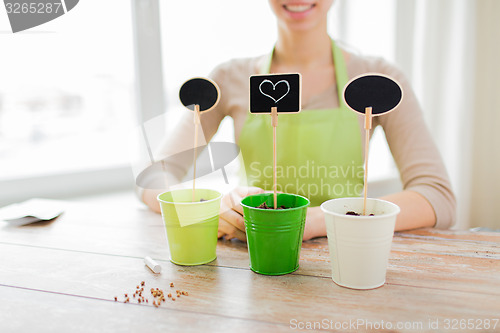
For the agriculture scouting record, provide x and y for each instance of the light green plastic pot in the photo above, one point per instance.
(274, 236)
(191, 227)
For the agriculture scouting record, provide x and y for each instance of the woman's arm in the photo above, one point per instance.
(427, 198)
(416, 212)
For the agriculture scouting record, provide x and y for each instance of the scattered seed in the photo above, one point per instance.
(158, 295)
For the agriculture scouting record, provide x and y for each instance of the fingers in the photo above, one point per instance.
(239, 193)
(229, 231)
(231, 222)
(233, 218)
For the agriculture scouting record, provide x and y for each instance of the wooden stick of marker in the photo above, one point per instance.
(274, 123)
(368, 127)
(196, 121)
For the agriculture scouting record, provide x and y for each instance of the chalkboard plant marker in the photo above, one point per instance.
(360, 244)
(371, 94)
(193, 214)
(199, 95)
(274, 222)
(274, 94)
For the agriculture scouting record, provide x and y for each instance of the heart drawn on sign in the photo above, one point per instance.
(274, 85)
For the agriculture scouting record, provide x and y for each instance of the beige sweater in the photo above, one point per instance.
(419, 162)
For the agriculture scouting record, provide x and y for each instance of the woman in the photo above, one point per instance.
(321, 148)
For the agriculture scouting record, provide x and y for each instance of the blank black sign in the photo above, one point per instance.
(275, 90)
(380, 92)
(200, 91)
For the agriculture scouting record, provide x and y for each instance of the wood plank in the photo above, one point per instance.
(27, 310)
(431, 233)
(236, 293)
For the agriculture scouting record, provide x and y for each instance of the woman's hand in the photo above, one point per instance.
(315, 223)
(231, 223)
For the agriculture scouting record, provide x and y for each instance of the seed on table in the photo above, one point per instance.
(173, 298)
(171, 284)
(142, 283)
(116, 298)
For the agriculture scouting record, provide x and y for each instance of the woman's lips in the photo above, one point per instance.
(298, 8)
(298, 11)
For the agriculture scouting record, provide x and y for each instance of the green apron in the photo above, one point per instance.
(319, 152)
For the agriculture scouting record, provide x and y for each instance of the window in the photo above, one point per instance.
(67, 93)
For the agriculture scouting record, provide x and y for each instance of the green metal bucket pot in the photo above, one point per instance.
(274, 236)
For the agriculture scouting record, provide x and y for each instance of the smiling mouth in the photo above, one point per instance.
(298, 8)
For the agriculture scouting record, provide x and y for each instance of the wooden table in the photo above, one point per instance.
(63, 275)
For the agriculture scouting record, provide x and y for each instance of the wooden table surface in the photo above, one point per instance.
(63, 275)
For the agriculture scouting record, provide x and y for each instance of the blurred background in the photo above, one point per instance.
(75, 92)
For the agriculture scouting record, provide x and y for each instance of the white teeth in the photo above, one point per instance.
(298, 8)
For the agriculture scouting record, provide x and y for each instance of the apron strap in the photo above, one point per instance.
(340, 73)
(265, 68)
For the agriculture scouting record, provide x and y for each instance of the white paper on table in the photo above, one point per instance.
(30, 211)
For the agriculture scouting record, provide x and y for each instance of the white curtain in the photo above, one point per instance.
(436, 49)
(485, 120)
(449, 49)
